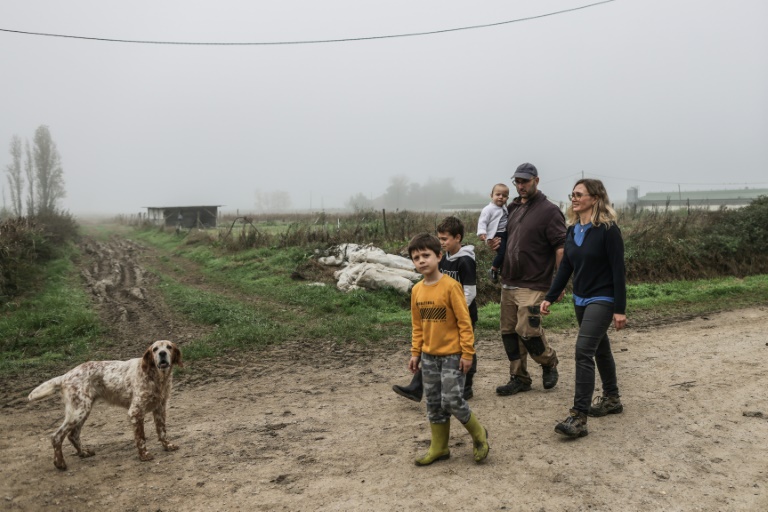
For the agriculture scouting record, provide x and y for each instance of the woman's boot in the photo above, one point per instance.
(575, 425)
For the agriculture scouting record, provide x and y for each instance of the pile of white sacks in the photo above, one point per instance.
(366, 266)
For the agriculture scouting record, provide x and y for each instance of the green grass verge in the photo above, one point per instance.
(371, 316)
(310, 314)
(656, 303)
(54, 324)
(266, 306)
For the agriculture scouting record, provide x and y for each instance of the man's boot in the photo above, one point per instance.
(512, 387)
(549, 376)
(479, 435)
(413, 391)
(438, 447)
(575, 425)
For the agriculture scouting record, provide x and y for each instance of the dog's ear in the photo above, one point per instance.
(176, 357)
(148, 361)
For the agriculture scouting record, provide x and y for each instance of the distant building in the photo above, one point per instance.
(183, 216)
(708, 199)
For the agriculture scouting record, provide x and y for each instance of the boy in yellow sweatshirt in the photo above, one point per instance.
(444, 343)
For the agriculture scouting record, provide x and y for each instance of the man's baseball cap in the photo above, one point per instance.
(526, 171)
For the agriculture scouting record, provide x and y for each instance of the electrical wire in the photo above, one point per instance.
(318, 41)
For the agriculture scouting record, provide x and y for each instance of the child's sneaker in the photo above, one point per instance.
(493, 274)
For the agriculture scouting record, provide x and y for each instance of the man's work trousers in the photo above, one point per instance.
(522, 332)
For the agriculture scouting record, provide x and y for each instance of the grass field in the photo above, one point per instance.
(263, 304)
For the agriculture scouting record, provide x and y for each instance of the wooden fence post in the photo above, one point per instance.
(384, 217)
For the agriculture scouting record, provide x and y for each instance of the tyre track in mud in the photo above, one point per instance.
(122, 276)
(126, 297)
(131, 311)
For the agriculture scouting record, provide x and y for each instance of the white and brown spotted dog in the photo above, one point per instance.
(141, 385)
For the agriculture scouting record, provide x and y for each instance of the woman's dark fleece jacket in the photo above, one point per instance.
(597, 266)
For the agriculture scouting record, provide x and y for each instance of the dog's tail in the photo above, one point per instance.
(46, 389)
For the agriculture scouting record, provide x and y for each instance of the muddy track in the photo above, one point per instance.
(126, 297)
(119, 275)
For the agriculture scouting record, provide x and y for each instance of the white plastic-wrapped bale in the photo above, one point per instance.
(371, 268)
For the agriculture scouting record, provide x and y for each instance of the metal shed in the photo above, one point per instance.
(183, 216)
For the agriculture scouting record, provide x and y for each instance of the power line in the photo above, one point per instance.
(318, 41)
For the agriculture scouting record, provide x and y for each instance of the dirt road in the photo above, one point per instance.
(301, 427)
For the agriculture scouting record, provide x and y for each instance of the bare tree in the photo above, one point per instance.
(397, 192)
(15, 178)
(29, 170)
(50, 175)
(4, 212)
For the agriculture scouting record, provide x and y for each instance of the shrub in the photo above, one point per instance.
(21, 241)
(25, 244)
(695, 244)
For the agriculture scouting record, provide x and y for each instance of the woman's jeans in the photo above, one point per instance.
(593, 346)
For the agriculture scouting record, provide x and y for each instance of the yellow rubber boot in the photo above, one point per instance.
(479, 438)
(438, 447)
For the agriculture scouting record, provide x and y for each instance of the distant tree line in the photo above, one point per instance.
(277, 201)
(35, 175)
(401, 194)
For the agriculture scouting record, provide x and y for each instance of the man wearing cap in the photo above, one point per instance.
(535, 240)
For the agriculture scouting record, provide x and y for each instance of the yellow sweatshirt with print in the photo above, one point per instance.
(440, 318)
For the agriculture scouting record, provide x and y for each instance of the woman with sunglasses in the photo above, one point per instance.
(594, 256)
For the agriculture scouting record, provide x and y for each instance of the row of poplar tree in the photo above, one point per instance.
(35, 175)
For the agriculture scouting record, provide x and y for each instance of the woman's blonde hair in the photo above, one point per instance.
(602, 212)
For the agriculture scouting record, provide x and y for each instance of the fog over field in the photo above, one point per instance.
(655, 94)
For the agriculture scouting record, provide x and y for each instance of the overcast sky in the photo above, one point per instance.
(646, 93)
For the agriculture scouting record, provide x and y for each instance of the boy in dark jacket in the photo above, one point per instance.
(458, 261)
